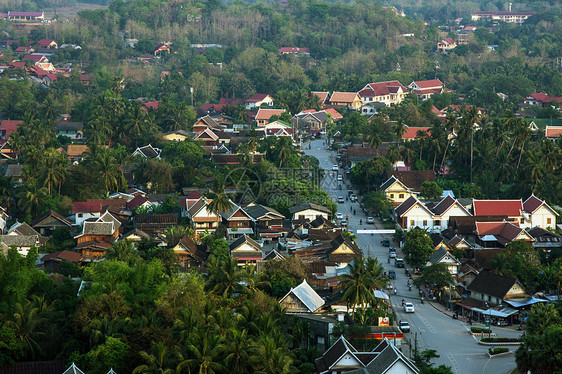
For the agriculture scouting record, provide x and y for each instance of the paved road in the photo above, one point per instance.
(434, 329)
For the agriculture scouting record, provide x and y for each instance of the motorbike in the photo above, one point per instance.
(421, 300)
(360, 221)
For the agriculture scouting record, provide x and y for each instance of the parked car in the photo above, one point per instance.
(341, 200)
(392, 254)
(353, 198)
(409, 308)
(385, 242)
(392, 274)
(335, 167)
(404, 325)
(340, 178)
(371, 221)
(339, 215)
(343, 222)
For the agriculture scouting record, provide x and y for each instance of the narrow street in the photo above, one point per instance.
(429, 325)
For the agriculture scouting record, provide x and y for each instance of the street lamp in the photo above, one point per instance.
(489, 320)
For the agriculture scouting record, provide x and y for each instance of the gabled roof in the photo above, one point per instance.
(266, 114)
(73, 369)
(322, 96)
(86, 206)
(343, 97)
(136, 202)
(273, 255)
(55, 215)
(207, 133)
(381, 88)
(257, 211)
(533, 203)
(553, 131)
(108, 217)
(407, 205)
(385, 360)
(244, 239)
(34, 57)
(186, 244)
(257, 98)
(413, 179)
(389, 182)
(148, 151)
(333, 355)
(447, 203)
(539, 232)
(60, 256)
(97, 228)
(14, 170)
(503, 232)
(22, 228)
(20, 240)
(439, 254)
(510, 208)
(307, 296)
(412, 132)
(456, 240)
(491, 284)
(69, 126)
(301, 207)
(46, 42)
(73, 150)
(209, 121)
(428, 84)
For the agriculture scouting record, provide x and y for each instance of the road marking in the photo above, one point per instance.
(456, 368)
(427, 324)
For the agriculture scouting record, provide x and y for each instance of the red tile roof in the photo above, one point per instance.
(86, 206)
(257, 97)
(23, 49)
(18, 64)
(553, 131)
(265, 114)
(45, 42)
(510, 208)
(544, 98)
(34, 57)
(343, 97)
(432, 83)
(152, 105)
(8, 127)
(136, 202)
(334, 113)
(322, 96)
(412, 132)
(504, 232)
(70, 256)
(381, 88)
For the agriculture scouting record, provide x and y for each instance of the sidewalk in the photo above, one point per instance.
(449, 313)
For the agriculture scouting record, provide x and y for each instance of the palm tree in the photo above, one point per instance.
(123, 250)
(32, 197)
(221, 203)
(159, 361)
(108, 169)
(186, 321)
(357, 285)
(206, 351)
(54, 168)
(241, 355)
(225, 277)
(99, 329)
(25, 321)
(284, 149)
(135, 121)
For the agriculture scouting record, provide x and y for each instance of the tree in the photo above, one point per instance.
(431, 190)
(11, 347)
(159, 361)
(435, 275)
(224, 277)
(364, 277)
(221, 203)
(25, 321)
(418, 247)
(112, 353)
(206, 350)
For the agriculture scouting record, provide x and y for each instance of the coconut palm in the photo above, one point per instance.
(32, 197)
(108, 169)
(26, 320)
(241, 354)
(123, 250)
(54, 168)
(159, 361)
(357, 285)
(224, 277)
(221, 203)
(206, 351)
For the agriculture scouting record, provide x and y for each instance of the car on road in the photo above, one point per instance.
(341, 200)
(392, 254)
(350, 192)
(335, 167)
(343, 222)
(409, 308)
(392, 274)
(404, 325)
(371, 221)
(399, 262)
(340, 178)
(339, 215)
(385, 242)
(353, 198)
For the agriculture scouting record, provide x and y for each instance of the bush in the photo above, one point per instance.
(495, 351)
(478, 330)
(500, 340)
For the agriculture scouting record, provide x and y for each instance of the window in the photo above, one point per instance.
(412, 223)
(437, 222)
(392, 196)
(521, 220)
(548, 221)
(401, 196)
(80, 215)
(425, 222)
(482, 297)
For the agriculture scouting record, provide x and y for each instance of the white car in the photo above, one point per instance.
(341, 200)
(340, 178)
(339, 215)
(370, 220)
(409, 308)
(392, 254)
(343, 222)
(335, 167)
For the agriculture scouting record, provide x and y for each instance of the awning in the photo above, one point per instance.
(234, 231)
(381, 295)
(518, 303)
(502, 313)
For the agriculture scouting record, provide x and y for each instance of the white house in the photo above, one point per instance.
(538, 213)
(258, 100)
(309, 212)
(446, 208)
(442, 256)
(202, 219)
(84, 210)
(413, 213)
